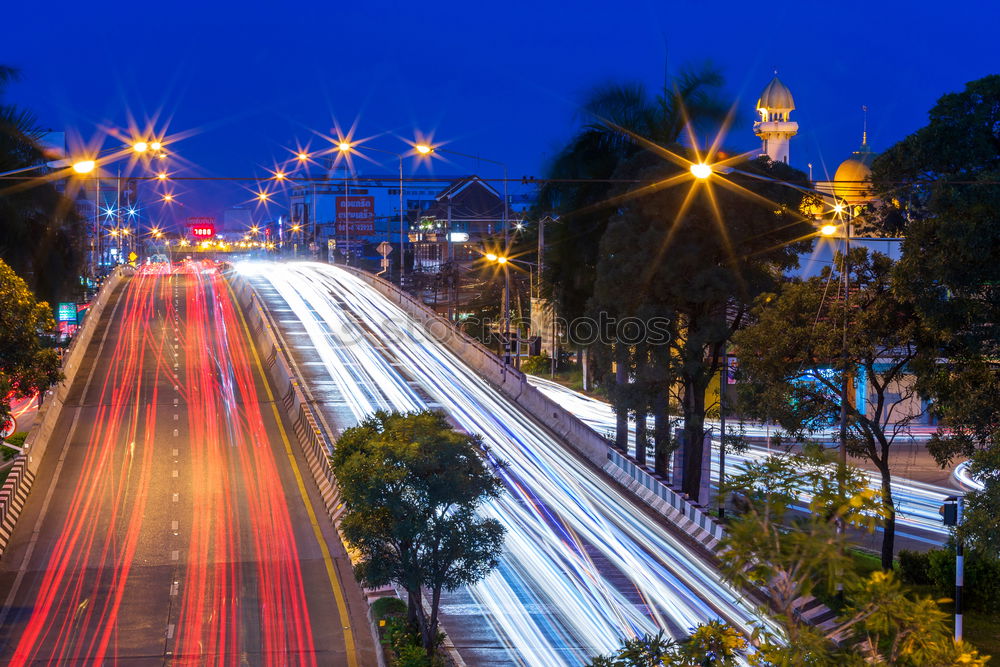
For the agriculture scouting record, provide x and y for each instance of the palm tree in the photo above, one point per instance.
(39, 227)
(619, 122)
(619, 119)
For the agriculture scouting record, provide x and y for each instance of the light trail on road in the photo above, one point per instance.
(584, 565)
(77, 605)
(239, 595)
(917, 503)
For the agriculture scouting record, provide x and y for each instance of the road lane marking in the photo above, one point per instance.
(170, 631)
(331, 571)
(174, 452)
(175, 555)
(174, 525)
(176, 432)
(173, 588)
(176, 498)
(173, 474)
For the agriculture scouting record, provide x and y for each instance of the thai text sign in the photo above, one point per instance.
(355, 215)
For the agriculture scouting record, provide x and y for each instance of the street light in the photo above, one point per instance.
(427, 149)
(84, 166)
(701, 171)
(505, 262)
(402, 243)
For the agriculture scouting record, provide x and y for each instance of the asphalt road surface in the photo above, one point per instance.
(172, 521)
(584, 565)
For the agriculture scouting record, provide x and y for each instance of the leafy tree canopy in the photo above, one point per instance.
(411, 486)
(26, 366)
(40, 231)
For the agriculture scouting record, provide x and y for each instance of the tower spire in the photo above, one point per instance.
(864, 130)
(775, 127)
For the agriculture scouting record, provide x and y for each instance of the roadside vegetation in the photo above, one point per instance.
(791, 557)
(411, 487)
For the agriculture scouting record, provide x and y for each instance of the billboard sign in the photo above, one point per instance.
(66, 312)
(201, 228)
(355, 215)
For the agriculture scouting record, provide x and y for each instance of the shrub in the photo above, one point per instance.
(982, 578)
(388, 606)
(412, 656)
(537, 364)
(915, 567)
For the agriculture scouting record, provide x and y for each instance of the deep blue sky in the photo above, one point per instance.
(498, 79)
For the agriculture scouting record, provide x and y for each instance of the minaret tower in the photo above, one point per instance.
(774, 128)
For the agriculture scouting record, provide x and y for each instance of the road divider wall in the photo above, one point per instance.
(314, 440)
(18, 483)
(582, 438)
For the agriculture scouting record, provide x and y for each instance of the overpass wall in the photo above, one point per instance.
(510, 381)
(18, 483)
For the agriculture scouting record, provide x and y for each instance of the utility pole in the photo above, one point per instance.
(452, 291)
(723, 381)
(952, 513)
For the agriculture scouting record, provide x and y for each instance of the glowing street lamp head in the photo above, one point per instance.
(155, 146)
(424, 149)
(162, 176)
(828, 230)
(343, 146)
(701, 171)
(296, 228)
(303, 156)
(491, 257)
(140, 147)
(501, 260)
(838, 208)
(262, 196)
(168, 197)
(84, 166)
(279, 175)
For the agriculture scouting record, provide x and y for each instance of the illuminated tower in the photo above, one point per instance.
(774, 128)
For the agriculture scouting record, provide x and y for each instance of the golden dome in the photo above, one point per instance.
(852, 180)
(776, 96)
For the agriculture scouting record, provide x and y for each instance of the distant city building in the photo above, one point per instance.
(462, 219)
(354, 211)
(237, 220)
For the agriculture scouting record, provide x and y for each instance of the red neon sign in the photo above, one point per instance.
(203, 231)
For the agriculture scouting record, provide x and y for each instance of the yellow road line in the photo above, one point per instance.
(331, 571)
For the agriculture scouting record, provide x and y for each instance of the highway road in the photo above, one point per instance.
(584, 565)
(170, 522)
(918, 523)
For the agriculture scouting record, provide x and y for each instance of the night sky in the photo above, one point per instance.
(502, 80)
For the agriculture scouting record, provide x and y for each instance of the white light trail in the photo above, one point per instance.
(584, 566)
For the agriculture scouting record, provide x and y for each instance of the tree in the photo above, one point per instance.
(698, 253)
(39, 227)
(939, 185)
(793, 556)
(793, 359)
(26, 367)
(620, 121)
(411, 486)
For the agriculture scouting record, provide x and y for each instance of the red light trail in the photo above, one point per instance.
(240, 588)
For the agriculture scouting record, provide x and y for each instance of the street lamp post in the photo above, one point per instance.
(426, 149)
(344, 147)
(505, 262)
